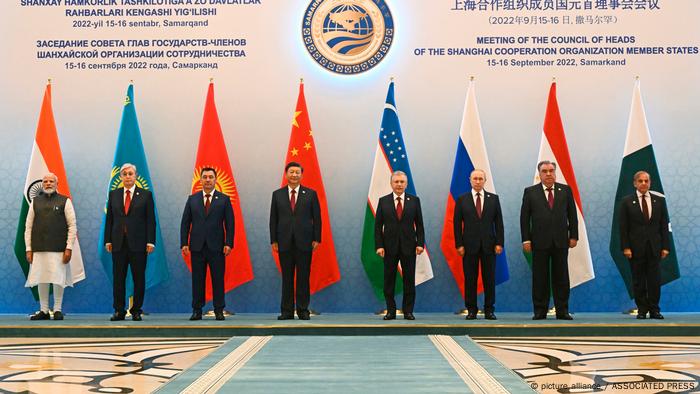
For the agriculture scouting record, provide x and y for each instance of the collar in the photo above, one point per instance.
(639, 195)
(132, 190)
(482, 192)
(544, 187)
(289, 189)
(204, 194)
(402, 196)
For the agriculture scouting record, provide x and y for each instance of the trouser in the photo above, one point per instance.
(470, 264)
(121, 261)
(408, 271)
(216, 261)
(646, 280)
(295, 261)
(543, 261)
(44, 297)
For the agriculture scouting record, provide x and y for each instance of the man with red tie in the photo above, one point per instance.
(295, 232)
(549, 227)
(645, 240)
(206, 232)
(478, 232)
(398, 237)
(130, 235)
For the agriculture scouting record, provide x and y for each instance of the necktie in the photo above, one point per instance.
(293, 200)
(127, 202)
(550, 197)
(399, 208)
(645, 208)
(207, 203)
(478, 205)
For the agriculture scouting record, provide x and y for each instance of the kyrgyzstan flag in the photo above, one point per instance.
(302, 149)
(212, 153)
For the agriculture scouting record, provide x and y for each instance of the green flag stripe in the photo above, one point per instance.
(373, 264)
(21, 247)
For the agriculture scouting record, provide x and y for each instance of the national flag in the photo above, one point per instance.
(130, 150)
(471, 154)
(390, 156)
(639, 156)
(302, 149)
(212, 153)
(553, 147)
(46, 157)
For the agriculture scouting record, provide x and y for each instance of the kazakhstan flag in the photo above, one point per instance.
(130, 150)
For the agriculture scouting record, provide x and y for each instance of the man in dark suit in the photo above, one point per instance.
(295, 232)
(130, 235)
(478, 232)
(399, 237)
(644, 238)
(206, 231)
(549, 227)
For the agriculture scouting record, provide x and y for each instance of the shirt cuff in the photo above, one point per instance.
(527, 242)
(151, 245)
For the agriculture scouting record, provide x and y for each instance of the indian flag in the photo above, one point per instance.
(390, 156)
(46, 157)
(638, 156)
(553, 147)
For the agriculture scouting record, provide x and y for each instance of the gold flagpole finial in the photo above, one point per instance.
(391, 79)
(211, 79)
(49, 81)
(301, 80)
(636, 78)
(554, 79)
(471, 78)
(131, 81)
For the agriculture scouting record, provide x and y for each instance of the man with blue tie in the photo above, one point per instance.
(478, 231)
(206, 233)
(645, 241)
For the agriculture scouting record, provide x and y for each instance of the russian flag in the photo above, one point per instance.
(471, 154)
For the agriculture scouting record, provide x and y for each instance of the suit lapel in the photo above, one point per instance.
(542, 193)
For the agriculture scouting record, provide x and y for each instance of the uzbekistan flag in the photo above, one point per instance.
(212, 153)
(390, 156)
(46, 157)
(471, 154)
(553, 147)
(639, 156)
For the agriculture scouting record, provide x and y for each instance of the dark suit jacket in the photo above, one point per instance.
(140, 223)
(543, 226)
(390, 232)
(216, 228)
(635, 231)
(473, 232)
(303, 226)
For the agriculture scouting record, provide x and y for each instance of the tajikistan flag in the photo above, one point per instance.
(46, 157)
(471, 154)
(639, 156)
(390, 156)
(553, 147)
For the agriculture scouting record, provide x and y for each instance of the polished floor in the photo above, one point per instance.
(353, 364)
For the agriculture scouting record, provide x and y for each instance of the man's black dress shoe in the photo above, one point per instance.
(656, 315)
(117, 316)
(471, 316)
(390, 316)
(641, 316)
(196, 315)
(539, 316)
(219, 315)
(565, 316)
(285, 317)
(58, 315)
(41, 315)
(136, 316)
(304, 316)
(490, 316)
(409, 316)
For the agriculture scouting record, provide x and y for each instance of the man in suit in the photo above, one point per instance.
(644, 238)
(399, 237)
(295, 232)
(478, 232)
(130, 235)
(206, 232)
(549, 227)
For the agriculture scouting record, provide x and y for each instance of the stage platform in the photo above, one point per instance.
(253, 324)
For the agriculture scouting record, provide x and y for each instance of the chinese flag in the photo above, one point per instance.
(212, 153)
(302, 149)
